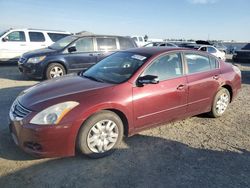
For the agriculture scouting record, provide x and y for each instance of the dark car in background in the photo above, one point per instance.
(71, 54)
(242, 55)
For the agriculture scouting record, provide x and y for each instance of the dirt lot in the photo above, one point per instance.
(196, 152)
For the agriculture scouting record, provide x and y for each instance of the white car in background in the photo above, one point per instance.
(214, 51)
(139, 40)
(15, 42)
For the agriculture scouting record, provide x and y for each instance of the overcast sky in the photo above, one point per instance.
(189, 19)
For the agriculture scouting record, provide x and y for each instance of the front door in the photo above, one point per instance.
(14, 46)
(84, 56)
(165, 101)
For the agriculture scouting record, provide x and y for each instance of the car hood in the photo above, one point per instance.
(70, 87)
(39, 52)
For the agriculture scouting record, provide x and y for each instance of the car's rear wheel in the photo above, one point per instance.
(220, 103)
(55, 70)
(100, 135)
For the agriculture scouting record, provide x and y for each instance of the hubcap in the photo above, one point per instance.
(56, 72)
(222, 103)
(102, 136)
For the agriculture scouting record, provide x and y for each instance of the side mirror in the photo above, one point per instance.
(148, 79)
(5, 39)
(72, 49)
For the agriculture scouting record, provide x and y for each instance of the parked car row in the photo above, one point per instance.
(74, 53)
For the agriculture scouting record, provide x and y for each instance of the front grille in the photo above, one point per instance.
(17, 111)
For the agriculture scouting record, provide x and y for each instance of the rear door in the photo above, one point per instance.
(83, 57)
(106, 46)
(203, 81)
(165, 101)
(37, 40)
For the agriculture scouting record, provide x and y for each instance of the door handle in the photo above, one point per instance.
(91, 54)
(216, 77)
(22, 44)
(180, 87)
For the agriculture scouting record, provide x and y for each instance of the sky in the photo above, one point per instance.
(182, 19)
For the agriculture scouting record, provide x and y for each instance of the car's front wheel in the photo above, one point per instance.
(100, 135)
(220, 103)
(55, 70)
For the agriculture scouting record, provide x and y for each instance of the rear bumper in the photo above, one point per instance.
(43, 141)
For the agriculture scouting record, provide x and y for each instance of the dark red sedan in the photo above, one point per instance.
(121, 95)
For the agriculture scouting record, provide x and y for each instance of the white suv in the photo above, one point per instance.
(15, 42)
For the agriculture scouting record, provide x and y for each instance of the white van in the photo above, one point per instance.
(15, 42)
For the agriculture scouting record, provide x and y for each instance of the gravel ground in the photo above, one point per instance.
(196, 152)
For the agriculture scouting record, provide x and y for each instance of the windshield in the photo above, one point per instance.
(62, 43)
(3, 32)
(116, 68)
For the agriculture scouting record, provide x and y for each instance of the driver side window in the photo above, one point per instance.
(16, 36)
(166, 67)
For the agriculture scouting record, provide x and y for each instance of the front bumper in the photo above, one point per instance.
(43, 141)
(31, 70)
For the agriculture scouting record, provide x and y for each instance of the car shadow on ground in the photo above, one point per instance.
(147, 162)
(11, 72)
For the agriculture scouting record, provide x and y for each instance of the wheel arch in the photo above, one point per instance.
(123, 117)
(59, 62)
(229, 88)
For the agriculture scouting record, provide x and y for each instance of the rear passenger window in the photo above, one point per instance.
(166, 67)
(214, 62)
(36, 37)
(16, 36)
(106, 44)
(56, 36)
(125, 43)
(197, 63)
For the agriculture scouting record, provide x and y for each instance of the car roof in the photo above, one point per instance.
(41, 30)
(156, 50)
(97, 35)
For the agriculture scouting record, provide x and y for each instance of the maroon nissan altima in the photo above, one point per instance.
(121, 95)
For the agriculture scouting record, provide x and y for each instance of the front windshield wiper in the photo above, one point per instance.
(93, 78)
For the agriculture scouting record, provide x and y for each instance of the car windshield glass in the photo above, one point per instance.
(60, 44)
(3, 32)
(246, 47)
(116, 68)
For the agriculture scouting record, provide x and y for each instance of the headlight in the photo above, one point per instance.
(36, 59)
(53, 114)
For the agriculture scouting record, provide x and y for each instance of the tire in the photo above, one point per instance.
(220, 103)
(55, 70)
(96, 130)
